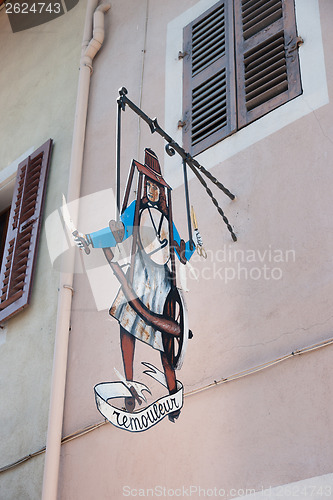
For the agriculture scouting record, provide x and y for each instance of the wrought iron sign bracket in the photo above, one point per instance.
(171, 148)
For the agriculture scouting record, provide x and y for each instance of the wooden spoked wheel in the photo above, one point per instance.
(175, 346)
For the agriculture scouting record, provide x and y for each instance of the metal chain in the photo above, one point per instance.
(215, 202)
(213, 179)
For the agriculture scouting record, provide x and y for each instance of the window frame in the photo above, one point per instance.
(4, 213)
(286, 24)
(21, 246)
(238, 115)
(225, 63)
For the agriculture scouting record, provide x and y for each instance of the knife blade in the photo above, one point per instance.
(70, 224)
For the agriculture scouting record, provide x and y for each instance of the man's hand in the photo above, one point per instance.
(81, 241)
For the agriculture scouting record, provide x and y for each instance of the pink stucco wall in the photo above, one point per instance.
(269, 428)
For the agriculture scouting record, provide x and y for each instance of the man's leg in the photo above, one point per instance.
(169, 373)
(170, 376)
(127, 343)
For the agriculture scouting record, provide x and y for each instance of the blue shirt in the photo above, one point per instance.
(105, 239)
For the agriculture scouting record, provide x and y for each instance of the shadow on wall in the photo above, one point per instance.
(25, 15)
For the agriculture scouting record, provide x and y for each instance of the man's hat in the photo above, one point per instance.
(151, 168)
(151, 161)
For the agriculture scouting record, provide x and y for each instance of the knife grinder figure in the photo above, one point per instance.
(148, 306)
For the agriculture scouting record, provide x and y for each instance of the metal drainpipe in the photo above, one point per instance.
(56, 411)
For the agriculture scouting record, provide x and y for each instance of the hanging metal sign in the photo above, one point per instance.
(149, 306)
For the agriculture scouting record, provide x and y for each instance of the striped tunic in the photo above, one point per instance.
(151, 283)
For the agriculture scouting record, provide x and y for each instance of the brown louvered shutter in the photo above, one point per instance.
(267, 65)
(209, 107)
(23, 232)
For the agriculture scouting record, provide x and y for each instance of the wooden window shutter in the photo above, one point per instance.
(267, 65)
(209, 102)
(23, 232)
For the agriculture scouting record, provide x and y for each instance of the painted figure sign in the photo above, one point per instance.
(149, 307)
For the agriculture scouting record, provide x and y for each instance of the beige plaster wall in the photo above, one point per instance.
(38, 82)
(265, 430)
